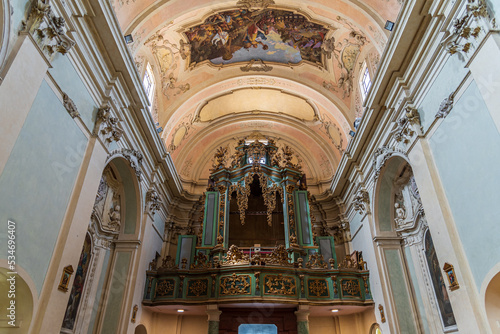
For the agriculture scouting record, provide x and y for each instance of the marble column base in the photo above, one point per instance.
(303, 327)
(213, 327)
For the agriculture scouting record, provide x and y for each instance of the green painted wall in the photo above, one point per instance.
(355, 223)
(116, 292)
(69, 81)
(36, 184)
(128, 180)
(400, 293)
(447, 81)
(98, 298)
(466, 150)
(384, 195)
(159, 223)
(411, 265)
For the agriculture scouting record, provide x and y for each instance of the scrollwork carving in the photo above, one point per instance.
(280, 285)
(168, 263)
(235, 285)
(445, 107)
(107, 126)
(47, 29)
(279, 256)
(235, 256)
(70, 106)
(361, 202)
(152, 201)
(316, 261)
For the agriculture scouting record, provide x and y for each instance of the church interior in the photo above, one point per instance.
(249, 166)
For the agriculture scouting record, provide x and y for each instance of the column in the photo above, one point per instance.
(302, 319)
(213, 319)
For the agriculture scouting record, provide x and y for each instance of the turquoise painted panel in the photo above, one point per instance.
(400, 293)
(384, 198)
(159, 223)
(19, 9)
(129, 186)
(70, 82)
(466, 150)
(210, 223)
(355, 223)
(447, 81)
(41, 171)
(99, 292)
(418, 294)
(302, 217)
(115, 297)
(185, 249)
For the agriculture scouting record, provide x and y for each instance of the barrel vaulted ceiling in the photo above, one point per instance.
(228, 70)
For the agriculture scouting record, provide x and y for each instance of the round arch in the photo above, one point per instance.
(132, 202)
(24, 297)
(492, 301)
(4, 31)
(375, 329)
(140, 329)
(388, 165)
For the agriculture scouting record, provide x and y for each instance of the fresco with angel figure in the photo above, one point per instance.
(269, 35)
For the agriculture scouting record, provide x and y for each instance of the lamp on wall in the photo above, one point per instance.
(129, 39)
(389, 25)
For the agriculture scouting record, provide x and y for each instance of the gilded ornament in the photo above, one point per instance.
(280, 285)
(318, 287)
(235, 256)
(350, 287)
(197, 287)
(168, 263)
(165, 288)
(316, 261)
(279, 256)
(235, 285)
(200, 262)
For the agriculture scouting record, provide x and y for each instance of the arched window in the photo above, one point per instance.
(364, 81)
(149, 85)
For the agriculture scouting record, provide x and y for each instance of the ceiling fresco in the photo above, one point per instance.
(226, 70)
(269, 35)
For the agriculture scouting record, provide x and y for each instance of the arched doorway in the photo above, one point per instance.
(23, 303)
(413, 276)
(102, 279)
(140, 329)
(492, 303)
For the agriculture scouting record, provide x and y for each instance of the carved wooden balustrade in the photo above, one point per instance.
(259, 278)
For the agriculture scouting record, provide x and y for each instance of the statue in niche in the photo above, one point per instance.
(400, 214)
(115, 217)
(406, 205)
